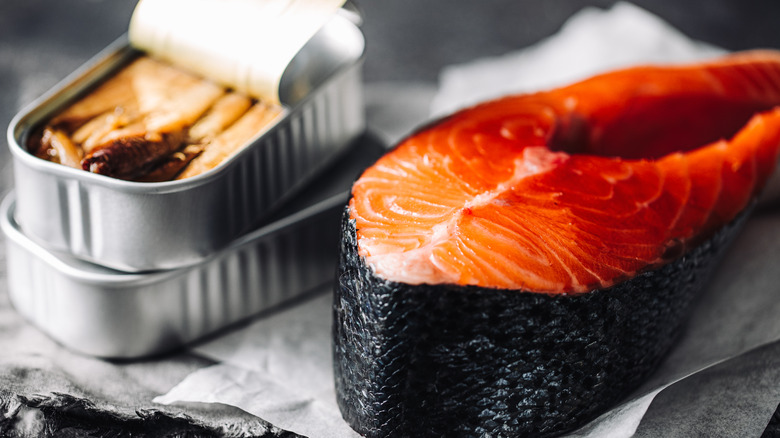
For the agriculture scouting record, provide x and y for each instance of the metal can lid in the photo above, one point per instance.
(243, 44)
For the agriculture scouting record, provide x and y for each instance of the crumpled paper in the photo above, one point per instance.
(279, 368)
(590, 42)
(719, 380)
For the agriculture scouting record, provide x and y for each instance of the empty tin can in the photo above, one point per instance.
(134, 226)
(108, 313)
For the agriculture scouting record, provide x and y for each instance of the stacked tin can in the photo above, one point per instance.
(118, 268)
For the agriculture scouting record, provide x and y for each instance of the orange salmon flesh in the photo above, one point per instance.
(576, 188)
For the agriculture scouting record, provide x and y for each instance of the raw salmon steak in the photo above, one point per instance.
(515, 268)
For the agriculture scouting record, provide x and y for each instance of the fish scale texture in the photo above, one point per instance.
(448, 360)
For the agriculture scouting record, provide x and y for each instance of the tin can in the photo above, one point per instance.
(134, 226)
(103, 312)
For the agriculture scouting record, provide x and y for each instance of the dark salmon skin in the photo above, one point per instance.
(517, 267)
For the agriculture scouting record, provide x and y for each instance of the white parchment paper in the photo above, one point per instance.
(721, 379)
(591, 41)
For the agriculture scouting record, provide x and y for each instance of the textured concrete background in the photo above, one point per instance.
(408, 39)
(411, 39)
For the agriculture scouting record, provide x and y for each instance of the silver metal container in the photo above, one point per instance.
(103, 312)
(135, 226)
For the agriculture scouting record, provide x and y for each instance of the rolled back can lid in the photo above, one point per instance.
(243, 44)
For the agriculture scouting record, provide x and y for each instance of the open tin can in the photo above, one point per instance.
(108, 313)
(135, 226)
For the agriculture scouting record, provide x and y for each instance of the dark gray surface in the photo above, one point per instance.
(694, 405)
(411, 39)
